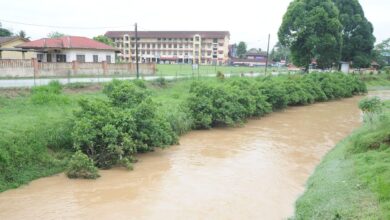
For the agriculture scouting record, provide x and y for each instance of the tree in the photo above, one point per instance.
(241, 49)
(22, 34)
(280, 52)
(55, 34)
(312, 30)
(381, 53)
(5, 32)
(357, 33)
(104, 40)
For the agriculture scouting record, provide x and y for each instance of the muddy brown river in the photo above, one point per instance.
(253, 172)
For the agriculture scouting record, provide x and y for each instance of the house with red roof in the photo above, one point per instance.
(70, 48)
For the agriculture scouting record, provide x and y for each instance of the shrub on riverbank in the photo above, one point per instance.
(112, 132)
(36, 140)
(232, 101)
(80, 166)
(353, 180)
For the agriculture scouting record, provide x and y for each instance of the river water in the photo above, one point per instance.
(253, 172)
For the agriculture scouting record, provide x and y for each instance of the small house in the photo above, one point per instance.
(8, 50)
(70, 48)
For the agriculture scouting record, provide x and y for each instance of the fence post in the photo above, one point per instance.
(105, 68)
(74, 67)
(34, 63)
(129, 68)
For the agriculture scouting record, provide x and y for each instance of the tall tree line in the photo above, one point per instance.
(327, 31)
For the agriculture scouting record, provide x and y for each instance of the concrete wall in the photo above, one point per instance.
(33, 68)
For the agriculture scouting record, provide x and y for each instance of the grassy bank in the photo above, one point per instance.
(353, 180)
(377, 82)
(34, 137)
(36, 126)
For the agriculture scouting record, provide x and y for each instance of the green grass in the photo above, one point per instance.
(186, 70)
(34, 138)
(353, 180)
(377, 82)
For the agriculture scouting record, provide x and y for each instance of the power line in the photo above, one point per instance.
(60, 27)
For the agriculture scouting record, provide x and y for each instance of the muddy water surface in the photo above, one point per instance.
(253, 172)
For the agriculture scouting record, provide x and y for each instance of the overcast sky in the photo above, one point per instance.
(247, 20)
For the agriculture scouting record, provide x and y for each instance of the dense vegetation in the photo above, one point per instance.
(229, 102)
(112, 131)
(40, 131)
(353, 180)
(327, 31)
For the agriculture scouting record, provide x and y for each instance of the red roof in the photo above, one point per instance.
(67, 42)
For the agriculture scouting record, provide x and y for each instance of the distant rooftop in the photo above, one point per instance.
(169, 34)
(67, 42)
(8, 39)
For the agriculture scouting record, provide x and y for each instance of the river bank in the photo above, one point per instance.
(351, 183)
(251, 172)
(37, 128)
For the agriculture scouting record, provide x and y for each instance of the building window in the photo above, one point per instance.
(126, 45)
(196, 38)
(215, 40)
(48, 56)
(108, 59)
(39, 57)
(80, 58)
(61, 58)
(127, 38)
(95, 58)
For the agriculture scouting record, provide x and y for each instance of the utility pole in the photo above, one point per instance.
(136, 49)
(266, 62)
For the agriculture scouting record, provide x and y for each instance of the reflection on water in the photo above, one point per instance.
(253, 172)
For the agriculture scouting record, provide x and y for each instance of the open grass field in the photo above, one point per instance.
(186, 70)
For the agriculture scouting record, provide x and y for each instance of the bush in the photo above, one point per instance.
(220, 75)
(370, 105)
(275, 92)
(80, 166)
(161, 82)
(231, 101)
(53, 87)
(51, 93)
(112, 132)
(214, 104)
(126, 93)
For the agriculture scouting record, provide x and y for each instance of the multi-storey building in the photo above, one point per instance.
(200, 47)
